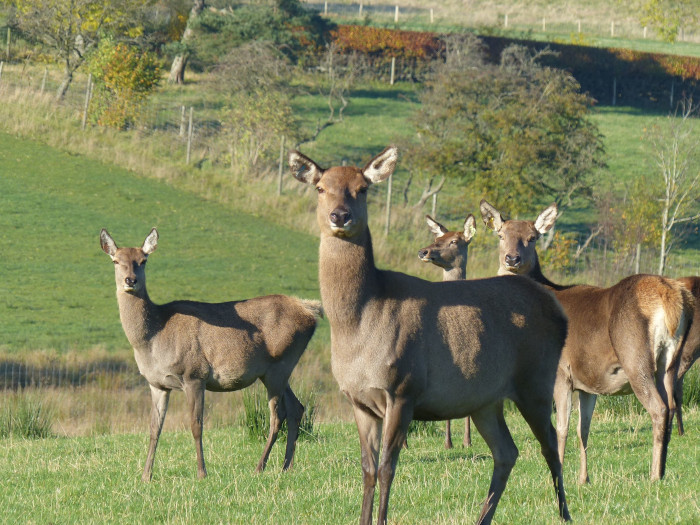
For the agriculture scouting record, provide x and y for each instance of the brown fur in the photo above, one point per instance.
(691, 348)
(450, 251)
(403, 348)
(193, 346)
(616, 344)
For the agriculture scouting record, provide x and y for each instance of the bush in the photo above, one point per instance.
(123, 77)
(256, 415)
(25, 416)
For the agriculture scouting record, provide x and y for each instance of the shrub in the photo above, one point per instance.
(26, 416)
(124, 77)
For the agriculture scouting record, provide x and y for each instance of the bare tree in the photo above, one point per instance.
(676, 151)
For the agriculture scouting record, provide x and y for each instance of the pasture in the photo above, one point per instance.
(98, 479)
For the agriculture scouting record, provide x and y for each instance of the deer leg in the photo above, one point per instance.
(562, 402)
(159, 406)
(537, 413)
(467, 442)
(678, 398)
(448, 435)
(396, 420)
(491, 425)
(369, 428)
(195, 398)
(277, 415)
(586, 404)
(295, 411)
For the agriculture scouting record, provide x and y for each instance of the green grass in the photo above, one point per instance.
(58, 287)
(97, 479)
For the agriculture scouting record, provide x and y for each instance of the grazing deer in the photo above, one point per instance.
(623, 339)
(221, 347)
(691, 348)
(449, 251)
(403, 348)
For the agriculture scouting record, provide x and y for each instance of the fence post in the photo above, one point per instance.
(388, 206)
(396, 15)
(182, 121)
(544, 24)
(43, 80)
(432, 18)
(614, 97)
(579, 27)
(1, 64)
(87, 101)
(393, 68)
(189, 137)
(7, 50)
(279, 175)
(325, 8)
(645, 32)
(360, 12)
(673, 85)
(505, 21)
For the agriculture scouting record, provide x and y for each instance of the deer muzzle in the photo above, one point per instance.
(340, 219)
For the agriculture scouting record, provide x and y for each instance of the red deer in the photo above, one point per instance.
(623, 339)
(691, 348)
(403, 348)
(449, 251)
(221, 347)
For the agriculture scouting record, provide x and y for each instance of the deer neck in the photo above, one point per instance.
(457, 272)
(139, 317)
(347, 277)
(536, 275)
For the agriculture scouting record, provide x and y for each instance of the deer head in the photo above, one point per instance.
(342, 191)
(450, 248)
(129, 263)
(517, 239)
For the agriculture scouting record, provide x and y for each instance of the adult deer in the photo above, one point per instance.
(622, 339)
(221, 347)
(691, 349)
(450, 251)
(403, 348)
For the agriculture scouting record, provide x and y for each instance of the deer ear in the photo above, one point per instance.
(151, 242)
(491, 216)
(304, 169)
(546, 219)
(107, 243)
(435, 227)
(381, 166)
(469, 227)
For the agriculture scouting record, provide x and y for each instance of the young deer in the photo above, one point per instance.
(222, 347)
(403, 348)
(691, 348)
(449, 251)
(622, 339)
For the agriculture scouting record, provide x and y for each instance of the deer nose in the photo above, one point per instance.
(513, 260)
(129, 281)
(340, 217)
(423, 254)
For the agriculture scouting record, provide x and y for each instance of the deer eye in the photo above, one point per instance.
(453, 243)
(320, 190)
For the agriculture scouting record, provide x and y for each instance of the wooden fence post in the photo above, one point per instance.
(182, 121)
(544, 24)
(43, 80)
(325, 8)
(645, 32)
(7, 50)
(1, 64)
(279, 175)
(88, 90)
(432, 18)
(393, 68)
(189, 137)
(360, 12)
(396, 15)
(388, 206)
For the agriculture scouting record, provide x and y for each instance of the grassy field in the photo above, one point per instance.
(97, 479)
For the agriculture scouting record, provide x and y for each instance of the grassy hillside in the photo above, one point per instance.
(58, 286)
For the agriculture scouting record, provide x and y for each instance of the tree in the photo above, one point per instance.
(71, 28)
(516, 131)
(676, 151)
(667, 17)
(177, 70)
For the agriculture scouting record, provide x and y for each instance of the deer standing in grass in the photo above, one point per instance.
(403, 348)
(691, 348)
(450, 251)
(623, 339)
(221, 347)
